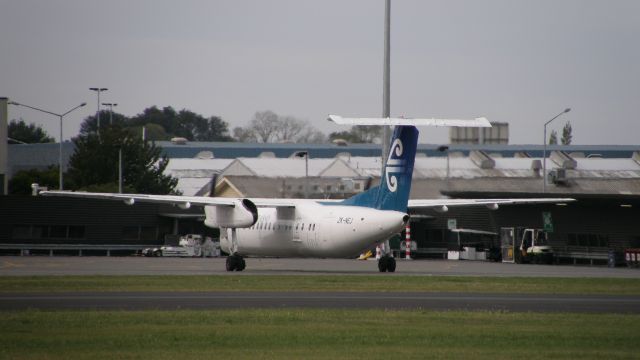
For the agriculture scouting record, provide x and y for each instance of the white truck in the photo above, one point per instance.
(191, 245)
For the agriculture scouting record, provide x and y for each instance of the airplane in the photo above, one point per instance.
(323, 228)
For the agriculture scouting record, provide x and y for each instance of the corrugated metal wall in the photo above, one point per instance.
(104, 222)
(600, 217)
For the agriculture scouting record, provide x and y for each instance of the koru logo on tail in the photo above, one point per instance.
(394, 165)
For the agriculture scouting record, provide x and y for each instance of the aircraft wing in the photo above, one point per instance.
(443, 204)
(181, 201)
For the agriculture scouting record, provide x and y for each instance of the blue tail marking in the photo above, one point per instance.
(395, 186)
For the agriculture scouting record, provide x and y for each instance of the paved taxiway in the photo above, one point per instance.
(67, 265)
(348, 300)
(33, 265)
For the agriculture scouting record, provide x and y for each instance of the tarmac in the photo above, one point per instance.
(84, 266)
(74, 265)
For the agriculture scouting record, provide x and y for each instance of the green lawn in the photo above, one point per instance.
(316, 334)
(323, 283)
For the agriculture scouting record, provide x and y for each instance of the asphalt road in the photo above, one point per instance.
(35, 265)
(348, 300)
(73, 265)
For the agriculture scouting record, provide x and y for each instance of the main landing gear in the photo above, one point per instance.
(387, 263)
(235, 262)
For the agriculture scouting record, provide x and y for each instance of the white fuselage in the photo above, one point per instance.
(314, 230)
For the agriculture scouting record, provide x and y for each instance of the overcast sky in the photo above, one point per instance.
(512, 61)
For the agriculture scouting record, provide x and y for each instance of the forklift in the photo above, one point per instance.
(525, 245)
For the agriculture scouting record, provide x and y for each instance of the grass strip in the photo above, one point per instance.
(316, 334)
(322, 283)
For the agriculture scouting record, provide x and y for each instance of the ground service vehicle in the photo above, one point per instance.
(191, 245)
(525, 245)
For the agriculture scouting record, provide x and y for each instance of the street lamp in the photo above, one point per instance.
(98, 90)
(110, 105)
(544, 151)
(306, 171)
(60, 116)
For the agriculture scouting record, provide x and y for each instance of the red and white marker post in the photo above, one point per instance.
(407, 254)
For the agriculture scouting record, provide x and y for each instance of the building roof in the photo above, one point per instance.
(195, 174)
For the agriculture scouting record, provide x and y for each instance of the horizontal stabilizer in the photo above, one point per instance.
(477, 122)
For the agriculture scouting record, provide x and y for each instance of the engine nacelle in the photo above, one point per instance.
(244, 214)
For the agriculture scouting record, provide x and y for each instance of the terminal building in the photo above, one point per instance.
(605, 181)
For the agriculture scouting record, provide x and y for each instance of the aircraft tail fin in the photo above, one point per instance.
(393, 191)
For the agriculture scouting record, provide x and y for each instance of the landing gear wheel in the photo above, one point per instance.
(391, 264)
(235, 263)
(387, 263)
(382, 264)
(231, 263)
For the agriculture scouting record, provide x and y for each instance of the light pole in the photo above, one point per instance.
(61, 186)
(443, 148)
(544, 151)
(386, 85)
(110, 105)
(306, 171)
(98, 90)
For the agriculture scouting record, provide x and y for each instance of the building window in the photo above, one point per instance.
(356, 186)
(130, 233)
(76, 232)
(588, 240)
(58, 232)
(21, 232)
(148, 233)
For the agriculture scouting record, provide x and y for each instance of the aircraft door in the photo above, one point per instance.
(298, 232)
(312, 235)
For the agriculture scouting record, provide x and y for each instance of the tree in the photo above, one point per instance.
(567, 137)
(312, 136)
(30, 134)
(244, 135)
(20, 183)
(163, 124)
(267, 126)
(185, 123)
(553, 138)
(359, 134)
(264, 126)
(94, 164)
(90, 123)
